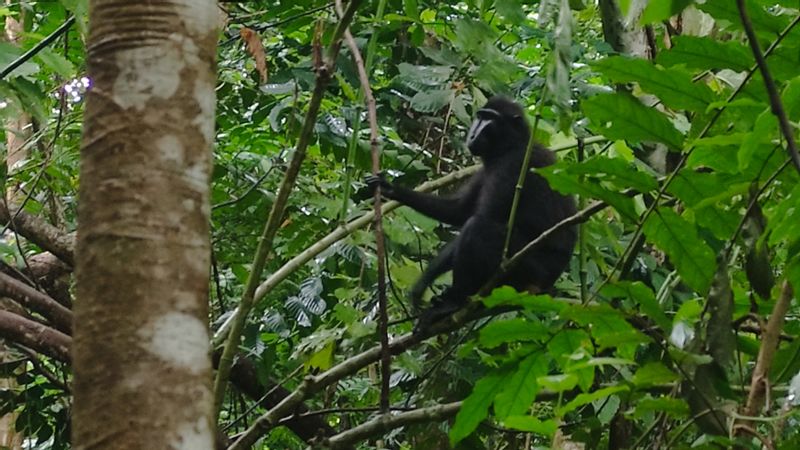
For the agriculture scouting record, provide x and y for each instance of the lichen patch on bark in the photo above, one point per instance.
(178, 339)
(193, 436)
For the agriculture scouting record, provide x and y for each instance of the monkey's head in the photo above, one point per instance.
(499, 126)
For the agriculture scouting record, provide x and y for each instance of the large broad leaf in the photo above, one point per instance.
(705, 53)
(617, 171)
(476, 407)
(607, 325)
(417, 77)
(644, 298)
(674, 87)
(566, 183)
(621, 116)
(678, 238)
(502, 331)
(432, 101)
(662, 9)
(726, 12)
(531, 425)
(520, 390)
(652, 374)
(583, 399)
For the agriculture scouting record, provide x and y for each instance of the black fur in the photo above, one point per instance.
(481, 208)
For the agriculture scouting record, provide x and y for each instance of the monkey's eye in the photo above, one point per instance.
(488, 114)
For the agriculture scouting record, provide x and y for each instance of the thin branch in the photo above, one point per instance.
(769, 83)
(323, 76)
(41, 338)
(380, 249)
(386, 422)
(770, 339)
(38, 47)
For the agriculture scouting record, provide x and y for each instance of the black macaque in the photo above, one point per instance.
(499, 136)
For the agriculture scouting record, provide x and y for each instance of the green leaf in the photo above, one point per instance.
(674, 87)
(621, 116)
(765, 128)
(643, 296)
(584, 399)
(567, 342)
(678, 238)
(510, 10)
(706, 53)
(621, 173)
(508, 296)
(559, 179)
(56, 63)
(660, 10)
(784, 220)
(674, 407)
(607, 325)
(512, 330)
(531, 425)
(418, 77)
(476, 407)
(520, 390)
(432, 101)
(727, 11)
(652, 374)
(559, 383)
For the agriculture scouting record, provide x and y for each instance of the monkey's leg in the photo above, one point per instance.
(440, 264)
(477, 255)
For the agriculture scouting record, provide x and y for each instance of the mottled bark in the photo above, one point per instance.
(141, 359)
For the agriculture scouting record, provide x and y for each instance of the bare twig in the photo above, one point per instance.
(769, 83)
(385, 422)
(380, 249)
(38, 47)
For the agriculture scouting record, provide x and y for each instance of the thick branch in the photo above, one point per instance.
(766, 353)
(769, 83)
(34, 335)
(39, 302)
(40, 233)
(386, 422)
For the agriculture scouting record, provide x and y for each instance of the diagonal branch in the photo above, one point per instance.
(29, 297)
(769, 83)
(323, 76)
(34, 335)
(386, 422)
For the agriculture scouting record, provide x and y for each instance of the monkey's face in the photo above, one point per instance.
(498, 127)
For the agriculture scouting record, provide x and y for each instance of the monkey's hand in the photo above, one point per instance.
(374, 182)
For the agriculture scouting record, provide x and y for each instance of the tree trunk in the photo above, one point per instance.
(140, 349)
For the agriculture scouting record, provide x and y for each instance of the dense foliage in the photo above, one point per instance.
(653, 336)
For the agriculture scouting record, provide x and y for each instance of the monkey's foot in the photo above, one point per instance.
(440, 309)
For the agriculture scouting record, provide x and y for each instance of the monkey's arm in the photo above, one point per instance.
(452, 209)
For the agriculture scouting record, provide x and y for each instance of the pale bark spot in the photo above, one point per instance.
(188, 204)
(146, 72)
(206, 99)
(201, 16)
(178, 339)
(193, 436)
(171, 149)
